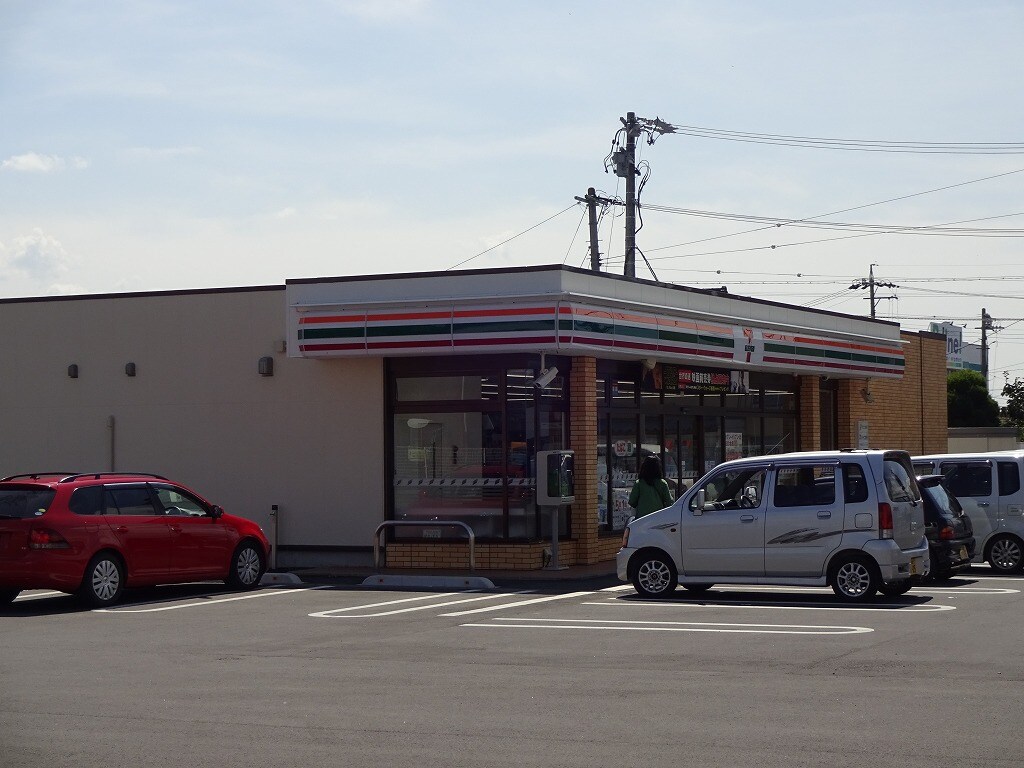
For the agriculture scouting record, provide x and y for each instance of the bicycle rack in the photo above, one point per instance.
(432, 524)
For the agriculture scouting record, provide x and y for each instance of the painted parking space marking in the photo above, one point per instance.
(161, 608)
(703, 603)
(963, 591)
(671, 626)
(39, 595)
(349, 613)
(923, 590)
(520, 603)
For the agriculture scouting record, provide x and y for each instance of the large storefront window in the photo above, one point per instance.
(691, 418)
(464, 445)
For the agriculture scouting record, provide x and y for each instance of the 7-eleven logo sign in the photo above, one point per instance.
(748, 346)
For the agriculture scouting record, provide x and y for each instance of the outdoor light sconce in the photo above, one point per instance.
(73, 371)
(265, 366)
(129, 369)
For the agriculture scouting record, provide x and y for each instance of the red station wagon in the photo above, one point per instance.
(95, 534)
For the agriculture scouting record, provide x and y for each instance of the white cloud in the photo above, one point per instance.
(64, 289)
(381, 10)
(161, 152)
(33, 162)
(37, 255)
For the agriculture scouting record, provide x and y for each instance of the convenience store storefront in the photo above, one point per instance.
(640, 368)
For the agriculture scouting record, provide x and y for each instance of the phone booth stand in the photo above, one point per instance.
(555, 489)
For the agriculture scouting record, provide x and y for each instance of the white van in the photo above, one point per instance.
(988, 487)
(851, 519)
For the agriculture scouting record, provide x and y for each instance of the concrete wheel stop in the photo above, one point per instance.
(428, 582)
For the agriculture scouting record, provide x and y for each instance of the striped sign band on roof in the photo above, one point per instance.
(583, 328)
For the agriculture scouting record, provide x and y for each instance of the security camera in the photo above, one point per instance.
(546, 377)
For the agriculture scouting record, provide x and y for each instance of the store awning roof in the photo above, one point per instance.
(574, 312)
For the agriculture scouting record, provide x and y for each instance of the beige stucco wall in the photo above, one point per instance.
(309, 438)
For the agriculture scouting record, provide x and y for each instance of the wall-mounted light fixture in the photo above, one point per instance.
(129, 369)
(265, 366)
(73, 371)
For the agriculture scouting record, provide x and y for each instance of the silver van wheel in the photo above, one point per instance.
(853, 578)
(655, 576)
(1005, 555)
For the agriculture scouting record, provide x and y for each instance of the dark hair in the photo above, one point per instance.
(650, 470)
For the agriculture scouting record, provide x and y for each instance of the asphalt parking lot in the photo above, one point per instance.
(327, 675)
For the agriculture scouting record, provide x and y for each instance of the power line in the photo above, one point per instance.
(774, 222)
(859, 145)
(848, 210)
(509, 240)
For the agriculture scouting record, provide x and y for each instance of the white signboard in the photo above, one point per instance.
(862, 435)
(954, 343)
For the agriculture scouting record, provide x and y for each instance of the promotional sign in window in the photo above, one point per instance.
(674, 379)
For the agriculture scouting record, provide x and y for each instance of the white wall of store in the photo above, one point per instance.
(310, 438)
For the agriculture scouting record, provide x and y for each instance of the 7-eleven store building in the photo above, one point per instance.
(339, 403)
(692, 376)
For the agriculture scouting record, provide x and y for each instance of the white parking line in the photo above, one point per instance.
(901, 608)
(520, 604)
(38, 595)
(674, 626)
(267, 593)
(332, 614)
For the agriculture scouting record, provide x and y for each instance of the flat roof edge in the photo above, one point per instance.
(141, 294)
(584, 272)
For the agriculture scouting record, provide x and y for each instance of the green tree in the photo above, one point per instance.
(1014, 411)
(968, 402)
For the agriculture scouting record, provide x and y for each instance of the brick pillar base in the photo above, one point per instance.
(583, 440)
(810, 413)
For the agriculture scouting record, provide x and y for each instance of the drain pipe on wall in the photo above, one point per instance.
(110, 441)
(273, 550)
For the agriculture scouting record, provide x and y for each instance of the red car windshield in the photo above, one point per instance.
(20, 502)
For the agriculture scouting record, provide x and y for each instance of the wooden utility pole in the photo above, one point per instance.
(631, 132)
(592, 200)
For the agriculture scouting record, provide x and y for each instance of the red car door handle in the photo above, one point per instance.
(121, 529)
(175, 529)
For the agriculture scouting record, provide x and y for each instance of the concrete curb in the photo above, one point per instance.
(429, 582)
(280, 579)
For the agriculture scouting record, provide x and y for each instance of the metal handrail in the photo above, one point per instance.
(431, 523)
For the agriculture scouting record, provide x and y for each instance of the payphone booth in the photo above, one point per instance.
(555, 489)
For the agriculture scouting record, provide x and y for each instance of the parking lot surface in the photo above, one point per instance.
(322, 675)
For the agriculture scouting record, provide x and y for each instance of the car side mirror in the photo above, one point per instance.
(216, 511)
(698, 502)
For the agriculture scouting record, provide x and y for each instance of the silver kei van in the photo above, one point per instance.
(988, 487)
(851, 519)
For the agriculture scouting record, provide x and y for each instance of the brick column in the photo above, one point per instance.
(810, 413)
(583, 440)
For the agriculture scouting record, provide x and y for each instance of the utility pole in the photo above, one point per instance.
(592, 200)
(986, 326)
(630, 125)
(870, 283)
(623, 159)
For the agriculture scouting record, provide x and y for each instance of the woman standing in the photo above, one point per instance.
(650, 491)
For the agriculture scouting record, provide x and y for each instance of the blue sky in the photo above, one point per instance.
(150, 145)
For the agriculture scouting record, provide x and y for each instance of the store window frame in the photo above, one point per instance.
(545, 402)
(704, 408)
